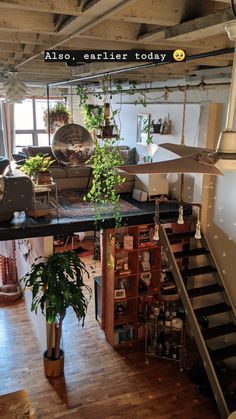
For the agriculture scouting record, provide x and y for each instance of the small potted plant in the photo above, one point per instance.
(37, 168)
(57, 117)
(57, 283)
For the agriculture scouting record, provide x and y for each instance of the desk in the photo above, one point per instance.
(48, 191)
(152, 183)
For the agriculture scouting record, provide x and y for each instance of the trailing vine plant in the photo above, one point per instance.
(106, 178)
(105, 158)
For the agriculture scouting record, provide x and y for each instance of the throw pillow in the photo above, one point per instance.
(132, 156)
(4, 162)
(20, 158)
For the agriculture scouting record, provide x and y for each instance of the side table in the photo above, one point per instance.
(153, 183)
(48, 191)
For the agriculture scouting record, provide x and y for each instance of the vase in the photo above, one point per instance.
(43, 178)
(54, 367)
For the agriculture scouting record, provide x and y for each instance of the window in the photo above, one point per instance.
(143, 124)
(29, 125)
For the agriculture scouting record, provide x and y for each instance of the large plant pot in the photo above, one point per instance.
(54, 367)
(43, 178)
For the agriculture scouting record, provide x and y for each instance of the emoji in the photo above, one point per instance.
(179, 55)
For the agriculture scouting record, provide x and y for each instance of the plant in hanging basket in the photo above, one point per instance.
(57, 117)
(57, 283)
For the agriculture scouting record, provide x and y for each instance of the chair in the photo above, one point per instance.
(74, 237)
(17, 195)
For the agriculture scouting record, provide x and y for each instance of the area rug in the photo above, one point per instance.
(71, 204)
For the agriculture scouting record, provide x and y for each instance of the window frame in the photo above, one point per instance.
(35, 132)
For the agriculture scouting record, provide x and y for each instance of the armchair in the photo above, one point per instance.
(16, 195)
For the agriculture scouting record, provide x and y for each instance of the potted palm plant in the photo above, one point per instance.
(57, 283)
(37, 168)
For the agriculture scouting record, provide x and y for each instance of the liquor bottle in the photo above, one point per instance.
(160, 344)
(167, 311)
(174, 350)
(167, 348)
(173, 310)
(161, 317)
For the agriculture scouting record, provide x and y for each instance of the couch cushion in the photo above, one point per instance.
(129, 177)
(77, 171)
(34, 150)
(57, 172)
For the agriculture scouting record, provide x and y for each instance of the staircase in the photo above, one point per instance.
(209, 310)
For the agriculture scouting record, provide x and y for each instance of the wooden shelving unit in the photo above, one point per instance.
(125, 295)
(122, 270)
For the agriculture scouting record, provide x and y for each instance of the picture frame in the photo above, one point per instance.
(120, 294)
(143, 122)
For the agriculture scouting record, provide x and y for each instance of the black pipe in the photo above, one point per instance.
(48, 109)
(148, 65)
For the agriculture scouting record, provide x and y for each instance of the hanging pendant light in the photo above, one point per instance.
(14, 90)
(181, 215)
(156, 236)
(198, 227)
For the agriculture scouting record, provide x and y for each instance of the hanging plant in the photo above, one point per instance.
(58, 116)
(93, 116)
(102, 194)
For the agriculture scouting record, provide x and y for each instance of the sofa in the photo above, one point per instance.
(80, 177)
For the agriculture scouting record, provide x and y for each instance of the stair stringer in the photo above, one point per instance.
(213, 261)
(203, 350)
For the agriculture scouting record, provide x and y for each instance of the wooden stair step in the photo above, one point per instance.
(181, 236)
(201, 270)
(224, 353)
(210, 310)
(227, 377)
(191, 252)
(221, 330)
(208, 289)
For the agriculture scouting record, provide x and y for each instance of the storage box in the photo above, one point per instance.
(128, 242)
(139, 195)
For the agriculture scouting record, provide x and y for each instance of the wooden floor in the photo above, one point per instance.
(99, 382)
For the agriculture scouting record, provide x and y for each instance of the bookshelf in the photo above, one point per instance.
(131, 275)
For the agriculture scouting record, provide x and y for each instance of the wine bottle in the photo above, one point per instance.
(167, 348)
(173, 310)
(161, 317)
(174, 350)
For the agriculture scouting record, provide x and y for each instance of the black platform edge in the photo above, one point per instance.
(26, 227)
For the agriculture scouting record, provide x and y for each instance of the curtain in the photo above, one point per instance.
(8, 129)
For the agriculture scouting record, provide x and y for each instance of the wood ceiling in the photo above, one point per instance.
(28, 27)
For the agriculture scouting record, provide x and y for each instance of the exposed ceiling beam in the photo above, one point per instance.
(114, 31)
(90, 22)
(43, 41)
(158, 12)
(101, 10)
(26, 21)
(201, 27)
(68, 7)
